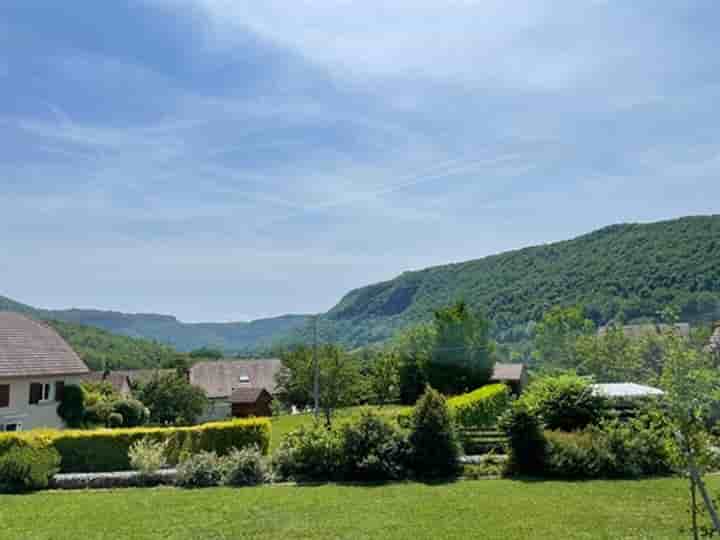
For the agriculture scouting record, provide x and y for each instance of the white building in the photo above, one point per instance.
(35, 366)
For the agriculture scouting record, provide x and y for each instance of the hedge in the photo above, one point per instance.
(480, 408)
(106, 450)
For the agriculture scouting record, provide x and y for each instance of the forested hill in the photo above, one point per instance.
(628, 271)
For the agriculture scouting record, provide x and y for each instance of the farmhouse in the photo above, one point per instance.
(236, 387)
(35, 366)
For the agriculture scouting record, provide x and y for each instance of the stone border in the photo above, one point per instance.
(165, 477)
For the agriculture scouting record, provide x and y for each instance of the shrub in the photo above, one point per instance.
(27, 467)
(72, 406)
(526, 442)
(147, 456)
(575, 456)
(133, 412)
(435, 447)
(565, 403)
(204, 469)
(244, 467)
(480, 408)
(373, 449)
(106, 450)
(115, 420)
(99, 414)
(312, 453)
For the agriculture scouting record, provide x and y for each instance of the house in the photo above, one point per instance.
(120, 382)
(223, 379)
(35, 366)
(514, 375)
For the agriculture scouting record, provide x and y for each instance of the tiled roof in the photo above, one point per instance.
(220, 379)
(508, 372)
(246, 395)
(31, 348)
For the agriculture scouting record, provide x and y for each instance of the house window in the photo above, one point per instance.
(11, 427)
(244, 379)
(4, 395)
(39, 392)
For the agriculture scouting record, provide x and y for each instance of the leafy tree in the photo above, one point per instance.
(72, 406)
(207, 353)
(556, 335)
(171, 399)
(612, 357)
(133, 412)
(414, 348)
(462, 357)
(434, 441)
(384, 377)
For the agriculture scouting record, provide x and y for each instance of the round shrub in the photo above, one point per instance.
(115, 420)
(28, 467)
(72, 406)
(244, 467)
(373, 449)
(133, 412)
(435, 446)
(309, 453)
(526, 440)
(200, 470)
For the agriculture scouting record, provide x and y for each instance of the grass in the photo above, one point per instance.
(287, 423)
(648, 509)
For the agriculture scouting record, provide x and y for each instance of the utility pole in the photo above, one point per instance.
(316, 369)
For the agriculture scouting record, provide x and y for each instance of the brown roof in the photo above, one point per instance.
(220, 379)
(31, 348)
(508, 372)
(247, 395)
(119, 381)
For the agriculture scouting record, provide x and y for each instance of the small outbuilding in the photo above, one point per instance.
(514, 375)
(245, 402)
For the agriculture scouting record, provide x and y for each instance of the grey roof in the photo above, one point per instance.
(508, 372)
(220, 379)
(31, 348)
(626, 390)
(246, 395)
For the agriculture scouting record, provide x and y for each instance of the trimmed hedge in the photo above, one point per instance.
(480, 408)
(106, 450)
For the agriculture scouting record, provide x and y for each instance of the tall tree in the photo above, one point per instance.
(172, 399)
(462, 357)
(414, 348)
(384, 377)
(556, 335)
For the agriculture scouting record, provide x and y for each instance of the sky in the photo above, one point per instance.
(225, 160)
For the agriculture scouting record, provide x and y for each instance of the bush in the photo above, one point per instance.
(575, 456)
(106, 450)
(147, 456)
(244, 467)
(133, 412)
(372, 449)
(204, 469)
(27, 467)
(312, 453)
(565, 403)
(72, 406)
(99, 414)
(115, 420)
(435, 447)
(480, 408)
(526, 441)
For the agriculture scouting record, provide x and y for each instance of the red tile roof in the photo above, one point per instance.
(31, 348)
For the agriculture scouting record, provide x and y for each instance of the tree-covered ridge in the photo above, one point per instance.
(100, 349)
(626, 272)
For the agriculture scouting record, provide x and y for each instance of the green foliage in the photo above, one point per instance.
(72, 407)
(414, 346)
(27, 467)
(435, 446)
(384, 377)
(373, 449)
(462, 353)
(565, 403)
(172, 399)
(556, 335)
(480, 408)
(115, 420)
(309, 453)
(102, 350)
(133, 412)
(107, 450)
(527, 444)
(207, 353)
(147, 456)
(201, 470)
(245, 467)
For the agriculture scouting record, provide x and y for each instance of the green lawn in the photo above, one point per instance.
(502, 509)
(284, 424)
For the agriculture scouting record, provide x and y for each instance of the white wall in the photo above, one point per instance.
(43, 414)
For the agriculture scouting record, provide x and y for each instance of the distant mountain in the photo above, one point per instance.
(622, 272)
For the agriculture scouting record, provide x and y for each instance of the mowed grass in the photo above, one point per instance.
(282, 425)
(502, 509)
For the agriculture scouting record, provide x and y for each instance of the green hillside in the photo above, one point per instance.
(622, 271)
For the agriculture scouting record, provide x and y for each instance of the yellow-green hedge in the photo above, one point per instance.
(106, 450)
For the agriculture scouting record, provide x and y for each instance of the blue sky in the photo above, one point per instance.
(228, 160)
